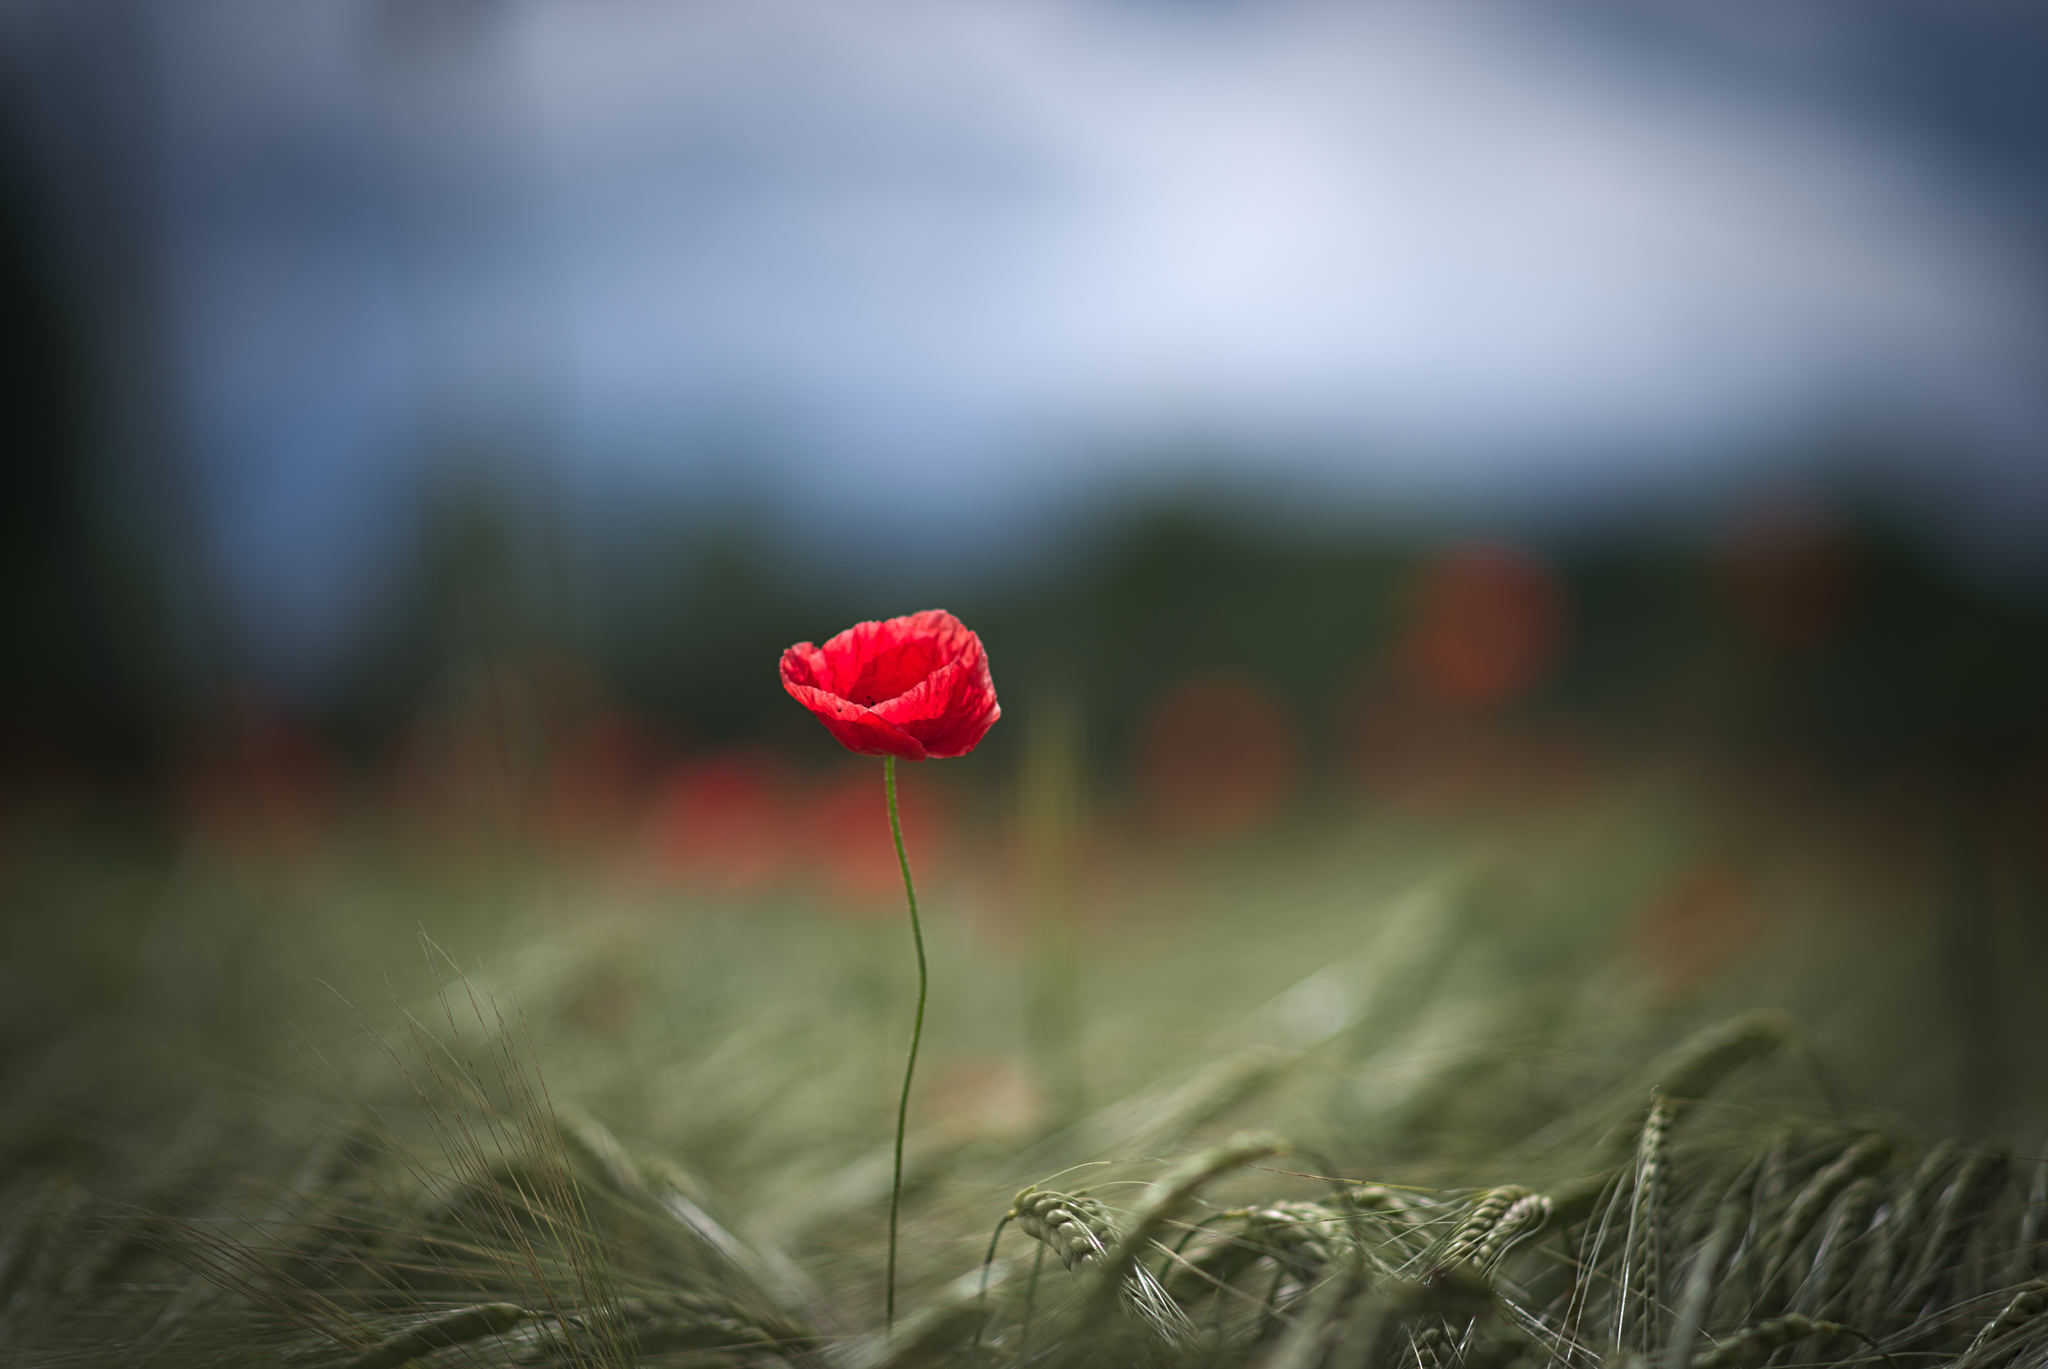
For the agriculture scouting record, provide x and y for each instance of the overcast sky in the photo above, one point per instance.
(885, 268)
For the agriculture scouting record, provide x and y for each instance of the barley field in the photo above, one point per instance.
(1607, 1071)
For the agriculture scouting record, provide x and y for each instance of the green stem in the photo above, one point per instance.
(916, 1034)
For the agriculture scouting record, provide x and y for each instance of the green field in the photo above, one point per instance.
(1617, 1072)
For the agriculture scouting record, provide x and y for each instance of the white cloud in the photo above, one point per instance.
(1451, 226)
(962, 260)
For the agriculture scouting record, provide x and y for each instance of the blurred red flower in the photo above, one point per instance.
(1216, 755)
(912, 687)
(598, 775)
(719, 821)
(859, 873)
(1489, 625)
(260, 782)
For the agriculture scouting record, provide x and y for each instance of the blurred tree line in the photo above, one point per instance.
(1828, 637)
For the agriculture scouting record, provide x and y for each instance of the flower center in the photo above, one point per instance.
(893, 671)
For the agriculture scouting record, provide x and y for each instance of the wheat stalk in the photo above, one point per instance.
(1753, 1344)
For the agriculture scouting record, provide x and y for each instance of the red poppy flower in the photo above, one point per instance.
(912, 687)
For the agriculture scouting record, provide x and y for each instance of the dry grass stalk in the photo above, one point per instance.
(1865, 1155)
(1079, 1230)
(1954, 1219)
(1643, 1267)
(1840, 1251)
(2028, 1303)
(2029, 1257)
(1690, 1071)
(1753, 1344)
(1295, 1235)
(1524, 1217)
(1164, 1201)
(1122, 1274)
(462, 1326)
(1897, 1228)
(1483, 1223)
(1324, 1319)
(1698, 1294)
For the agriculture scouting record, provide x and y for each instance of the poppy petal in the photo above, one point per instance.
(804, 664)
(874, 661)
(857, 728)
(952, 709)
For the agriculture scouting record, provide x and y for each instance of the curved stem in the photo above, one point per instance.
(916, 1034)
